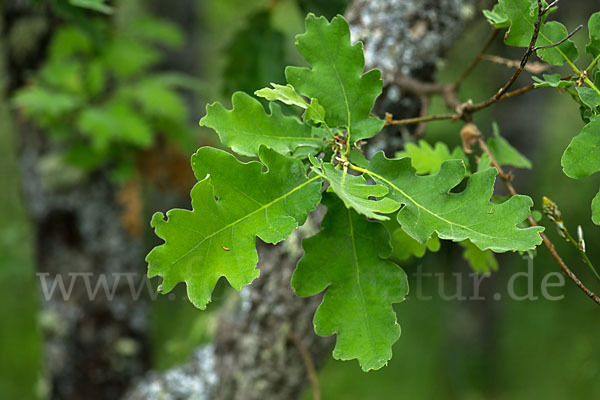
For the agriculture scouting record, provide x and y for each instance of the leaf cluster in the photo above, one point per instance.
(581, 157)
(98, 95)
(379, 210)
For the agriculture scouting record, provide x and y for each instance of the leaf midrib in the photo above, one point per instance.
(360, 292)
(241, 219)
(337, 76)
(299, 138)
(425, 208)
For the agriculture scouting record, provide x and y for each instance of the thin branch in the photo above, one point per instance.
(536, 31)
(465, 110)
(475, 60)
(551, 210)
(420, 130)
(549, 6)
(536, 48)
(480, 106)
(531, 67)
(466, 107)
(549, 245)
(417, 120)
(308, 363)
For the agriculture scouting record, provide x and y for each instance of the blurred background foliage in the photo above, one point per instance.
(104, 74)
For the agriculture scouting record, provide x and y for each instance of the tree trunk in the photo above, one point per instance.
(253, 356)
(94, 345)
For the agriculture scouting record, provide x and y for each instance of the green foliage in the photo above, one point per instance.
(232, 204)
(255, 55)
(286, 94)
(404, 246)
(504, 152)
(95, 5)
(589, 97)
(482, 261)
(98, 95)
(327, 112)
(593, 47)
(522, 15)
(336, 77)
(551, 80)
(360, 286)
(428, 160)
(247, 127)
(455, 216)
(356, 193)
(596, 209)
(582, 158)
(497, 17)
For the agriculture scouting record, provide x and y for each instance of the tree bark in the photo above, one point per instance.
(253, 357)
(405, 38)
(93, 346)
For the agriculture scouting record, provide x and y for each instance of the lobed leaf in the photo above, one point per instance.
(551, 80)
(593, 47)
(404, 246)
(360, 286)
(589, 97)
(582, 156)
(355, 192)
(504, 152)
(336, 78)
(496, 17)
(430, 207)
(596, 209)
(428, 160)
(286, 94)
(481, 261)
(523, 15)
(232, 204)
(247, 127)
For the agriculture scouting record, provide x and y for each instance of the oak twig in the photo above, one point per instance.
(465, 110)
(536, 48)
(531, 67)
(418, 120)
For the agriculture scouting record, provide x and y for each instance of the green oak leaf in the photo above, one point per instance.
(427, 159)
(582, 156)
(596, 209)
(247, 127)
(593, 47)
(430, 207)
(314, 112)
(482, 261)
(336, 78)
(355, 192)
(496, 17)
(404, 246)
(504, 152)
(286, 94)
(232, 204)
(589, 97)
(522, 16)
(345, 259)
(551, 80)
